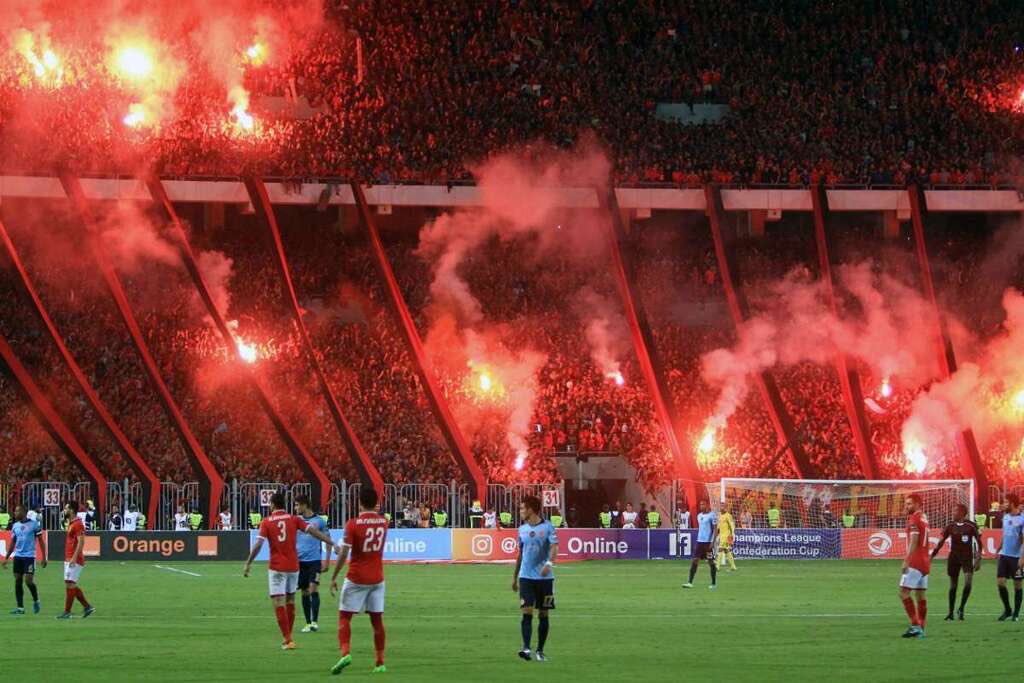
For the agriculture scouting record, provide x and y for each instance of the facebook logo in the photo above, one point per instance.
(672, 544)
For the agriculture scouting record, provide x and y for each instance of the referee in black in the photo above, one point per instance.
(963, 535)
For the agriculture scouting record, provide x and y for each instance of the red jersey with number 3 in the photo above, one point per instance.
(75, 531)
(281, 529)
(919, 559)
(365, 536)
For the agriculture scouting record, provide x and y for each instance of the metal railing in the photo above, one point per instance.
(244, 498)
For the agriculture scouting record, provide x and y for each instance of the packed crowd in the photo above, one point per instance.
(842, 93)
(526, 299)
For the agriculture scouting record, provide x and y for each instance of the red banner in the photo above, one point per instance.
(871, 544)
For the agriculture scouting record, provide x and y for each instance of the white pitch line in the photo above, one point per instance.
(177, 571)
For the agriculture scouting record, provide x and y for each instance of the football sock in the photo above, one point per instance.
(314, 606)
(693, 570)
(1004, 594)
(69, 599)
(377, 621)
(732, 560)
(922, 611)
(282, 622)
(952, 597)
(289, 609)
(966, 594)
(527, 628)
(908, 605)
(34, 590)
(542, 633)
(345, 632)
(714, 573)
(1018, 595)
(307, 608)
(19, 591)
(81, 598)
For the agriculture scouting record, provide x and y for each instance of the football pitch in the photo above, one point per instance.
(614, 621)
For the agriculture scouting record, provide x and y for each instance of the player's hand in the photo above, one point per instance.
(906, 566)
(324, 566)
(515, 585)
(731, 539)
(44, 564)
(546, 570)
(334, 587)
(3, 565)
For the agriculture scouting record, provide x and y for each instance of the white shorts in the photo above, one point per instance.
(72, 572)
(282, 583)
(357, 598)
(914, 580)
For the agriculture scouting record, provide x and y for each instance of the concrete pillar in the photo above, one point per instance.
(756, 221)
(213, 216)
(890, 225)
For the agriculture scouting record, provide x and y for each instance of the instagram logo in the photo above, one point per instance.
(482, 546)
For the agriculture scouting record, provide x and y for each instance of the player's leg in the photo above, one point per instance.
(289, 609)
(968, 582)
(375, 608)
(281, 615)
(911, 609)
(307, 605)
(731, 557)
(694, 564)
(922, 607)
(379, 638)
(714, 571)
(953, 571)
(526, 630)
(1018, 597)
(543, 628)
(1003, 573)
(19, 593)
(30, 581)
(314, 599)
(352, 602)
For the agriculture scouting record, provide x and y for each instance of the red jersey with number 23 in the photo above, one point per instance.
(365, 537)
(281, 529)
(919, 559)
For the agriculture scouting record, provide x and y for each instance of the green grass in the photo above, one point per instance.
(615, 621)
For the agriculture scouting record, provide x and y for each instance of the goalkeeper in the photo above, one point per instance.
(726, 538)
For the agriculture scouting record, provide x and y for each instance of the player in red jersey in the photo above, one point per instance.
(74, 561)
(281, 529)
(364, 584)
(916, 566)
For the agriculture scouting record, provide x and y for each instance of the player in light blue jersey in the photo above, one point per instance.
(1011, 564)
(312, 562)
(707, 536)
(25, 534)
(534, 577)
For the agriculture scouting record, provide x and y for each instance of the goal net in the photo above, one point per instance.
(813, 519)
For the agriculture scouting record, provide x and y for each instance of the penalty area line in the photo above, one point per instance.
(176, 571)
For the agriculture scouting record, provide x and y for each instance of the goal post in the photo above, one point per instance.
(833, 518)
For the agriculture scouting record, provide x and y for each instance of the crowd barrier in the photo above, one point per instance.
(502, 545)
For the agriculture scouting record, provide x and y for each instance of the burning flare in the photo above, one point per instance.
(616, 377)
(917, 461)
(136, 116)
(134, 62)
(886, 388)
(247, 352)
(485, 381)
(706, 443)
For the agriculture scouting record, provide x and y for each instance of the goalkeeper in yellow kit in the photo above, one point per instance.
(726, 538)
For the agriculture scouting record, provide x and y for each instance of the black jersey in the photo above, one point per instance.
(961, 536)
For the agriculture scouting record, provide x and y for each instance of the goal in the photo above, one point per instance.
(800, 518)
